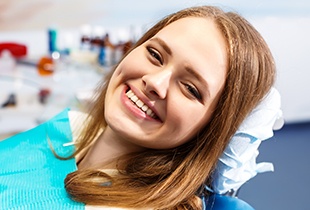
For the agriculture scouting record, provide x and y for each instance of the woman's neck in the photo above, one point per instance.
(106, 150)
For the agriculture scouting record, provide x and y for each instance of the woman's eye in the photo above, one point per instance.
(193, 91)
(155, 55)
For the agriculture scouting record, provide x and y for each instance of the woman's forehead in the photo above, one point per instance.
(196, 37)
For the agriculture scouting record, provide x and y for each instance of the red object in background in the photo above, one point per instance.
(43, 95)
(45, 65)
(17, 50)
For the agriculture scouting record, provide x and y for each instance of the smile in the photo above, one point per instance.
(140, 104)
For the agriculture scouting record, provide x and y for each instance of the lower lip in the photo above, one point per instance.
(133, 109)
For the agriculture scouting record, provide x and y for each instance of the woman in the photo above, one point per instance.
(160, 122)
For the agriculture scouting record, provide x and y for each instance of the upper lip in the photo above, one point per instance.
(145, 100)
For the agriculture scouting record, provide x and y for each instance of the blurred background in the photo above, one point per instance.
(54, 52)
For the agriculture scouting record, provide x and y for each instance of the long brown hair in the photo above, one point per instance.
(172, 178)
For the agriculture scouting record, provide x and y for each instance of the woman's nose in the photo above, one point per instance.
(157, 83)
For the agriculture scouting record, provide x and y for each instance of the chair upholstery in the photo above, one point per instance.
(223, 202)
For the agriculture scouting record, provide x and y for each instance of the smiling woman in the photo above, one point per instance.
(160, 79)
(163, 117)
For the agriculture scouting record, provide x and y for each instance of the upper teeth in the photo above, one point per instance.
(140, 104)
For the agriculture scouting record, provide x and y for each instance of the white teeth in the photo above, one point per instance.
(129, 93)
(148, 112)
(134, 98)
(144, 107)
(140, 104)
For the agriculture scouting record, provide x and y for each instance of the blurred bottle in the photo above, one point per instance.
(96, 40)
(102, 53)
(110, 49)
(85, 43)
(52, 40)
(7, 62)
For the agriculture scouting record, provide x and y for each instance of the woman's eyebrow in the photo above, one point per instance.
(197, 76)
(163, 44)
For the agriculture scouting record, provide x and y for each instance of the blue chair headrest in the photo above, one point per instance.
(222, 202)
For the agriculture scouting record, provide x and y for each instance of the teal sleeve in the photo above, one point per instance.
(31, 177)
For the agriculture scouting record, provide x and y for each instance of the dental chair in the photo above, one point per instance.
(225, 202)
(238, 164)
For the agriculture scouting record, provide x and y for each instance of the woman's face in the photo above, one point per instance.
(166, 89)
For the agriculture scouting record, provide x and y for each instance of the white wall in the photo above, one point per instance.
(288, 38)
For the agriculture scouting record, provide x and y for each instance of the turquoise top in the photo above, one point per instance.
(31, 177)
